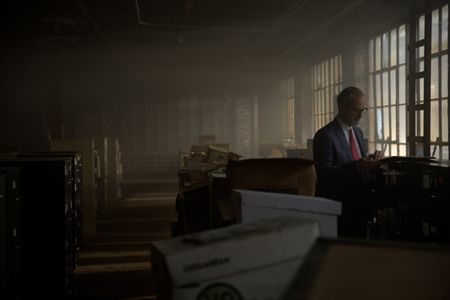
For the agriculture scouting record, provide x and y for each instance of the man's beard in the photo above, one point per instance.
(356, 122)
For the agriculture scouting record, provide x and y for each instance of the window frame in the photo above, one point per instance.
(381, 110)
(326, 83)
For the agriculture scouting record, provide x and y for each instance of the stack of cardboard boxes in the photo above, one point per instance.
(202, 160)
(196, 180)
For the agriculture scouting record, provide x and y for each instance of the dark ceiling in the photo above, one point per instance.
(190, 34)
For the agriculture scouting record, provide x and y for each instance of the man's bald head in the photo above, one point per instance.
(351, 105)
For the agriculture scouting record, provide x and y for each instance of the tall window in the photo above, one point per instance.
(434, 96)
(387, 92)
(439, 84)
(326, 78)
(288, 108)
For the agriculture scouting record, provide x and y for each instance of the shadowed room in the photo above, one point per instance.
(253, 149)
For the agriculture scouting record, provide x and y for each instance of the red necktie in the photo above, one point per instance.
(352, 142)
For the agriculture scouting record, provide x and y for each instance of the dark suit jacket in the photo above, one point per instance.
(334, 164)
(338, 176)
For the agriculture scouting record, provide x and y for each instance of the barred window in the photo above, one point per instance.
(326, 79)
(439, 84)
(288, 108)
(387, 92)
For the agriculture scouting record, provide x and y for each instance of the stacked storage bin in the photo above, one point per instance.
(75, 158)
(10, 236)
(46, 223)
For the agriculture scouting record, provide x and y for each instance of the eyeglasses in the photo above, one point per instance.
(359, 111)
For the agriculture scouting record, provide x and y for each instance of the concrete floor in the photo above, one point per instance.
(115, 263)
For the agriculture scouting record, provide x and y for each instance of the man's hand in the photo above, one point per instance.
(367, 164)
(377, 155)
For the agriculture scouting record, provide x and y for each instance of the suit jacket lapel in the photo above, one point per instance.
(342, 139)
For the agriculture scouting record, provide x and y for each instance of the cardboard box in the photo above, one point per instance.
(215, 254)
(260, 205)
(234, 156)
(266, 283)
(223, 147)
(354, 270)
(297, 153)
(265, 149)
(217, 155)
(280, 175)
(214, 154)
(199, 153)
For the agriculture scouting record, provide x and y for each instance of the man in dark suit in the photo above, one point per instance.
(341, 162)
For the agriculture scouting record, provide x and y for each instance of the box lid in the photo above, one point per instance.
(216, 253)
(290, 202)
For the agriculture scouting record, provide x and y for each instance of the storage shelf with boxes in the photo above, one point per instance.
(198, 187)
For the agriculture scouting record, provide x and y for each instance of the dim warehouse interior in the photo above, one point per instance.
(195, 149)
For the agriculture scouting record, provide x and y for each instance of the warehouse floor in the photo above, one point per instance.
(115, 263)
